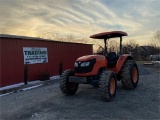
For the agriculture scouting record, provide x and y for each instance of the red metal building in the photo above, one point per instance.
(12, 57)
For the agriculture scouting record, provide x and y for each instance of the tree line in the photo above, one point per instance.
(138, 52)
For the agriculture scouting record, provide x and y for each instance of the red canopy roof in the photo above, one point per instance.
(111, 34)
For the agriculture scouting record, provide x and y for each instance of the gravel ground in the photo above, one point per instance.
(48, 103)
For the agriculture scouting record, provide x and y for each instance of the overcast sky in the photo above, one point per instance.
(81, 18)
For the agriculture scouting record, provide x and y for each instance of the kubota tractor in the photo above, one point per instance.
(102, 71)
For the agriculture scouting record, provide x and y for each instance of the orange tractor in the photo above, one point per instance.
(102, 71)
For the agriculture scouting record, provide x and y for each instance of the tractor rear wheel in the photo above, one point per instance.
(107, 85)
(129, 75)
(67, 87)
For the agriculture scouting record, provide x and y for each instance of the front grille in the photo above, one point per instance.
(87, 69)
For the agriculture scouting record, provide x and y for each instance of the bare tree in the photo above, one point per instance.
(50, 36)
(100, 50)
(157, 35)
(84, 40)
(155, 45)
(113, 45)
(154, 49)
(46, 35)
(157, 38)
(70, 38)
(56, 36)
(131, 48)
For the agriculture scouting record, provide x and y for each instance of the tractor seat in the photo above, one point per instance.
(112, 59)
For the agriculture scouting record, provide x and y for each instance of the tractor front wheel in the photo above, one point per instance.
(129, 75)
(107, 85)
(67, 87)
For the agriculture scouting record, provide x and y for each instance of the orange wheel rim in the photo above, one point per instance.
(134, 74)
(112, 86)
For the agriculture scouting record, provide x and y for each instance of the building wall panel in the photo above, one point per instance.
(12, 60)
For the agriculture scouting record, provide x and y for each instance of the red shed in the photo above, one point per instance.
(12, 53)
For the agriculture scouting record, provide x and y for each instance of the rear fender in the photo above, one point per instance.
(121, 61)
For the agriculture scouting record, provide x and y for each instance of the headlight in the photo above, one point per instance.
(75, 64)
(85, 64)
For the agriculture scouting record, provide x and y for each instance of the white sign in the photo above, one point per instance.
(34, 55)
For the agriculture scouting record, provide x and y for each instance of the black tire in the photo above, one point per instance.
(107, 85)
(129, 74)
(67, 87)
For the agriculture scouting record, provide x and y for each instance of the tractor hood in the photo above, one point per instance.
(88, 57)
(89, 65)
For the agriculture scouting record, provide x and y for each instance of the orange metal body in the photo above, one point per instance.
(119, 64)
(101, 62)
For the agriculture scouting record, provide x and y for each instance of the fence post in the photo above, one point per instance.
(60, 69)
(25, 74)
